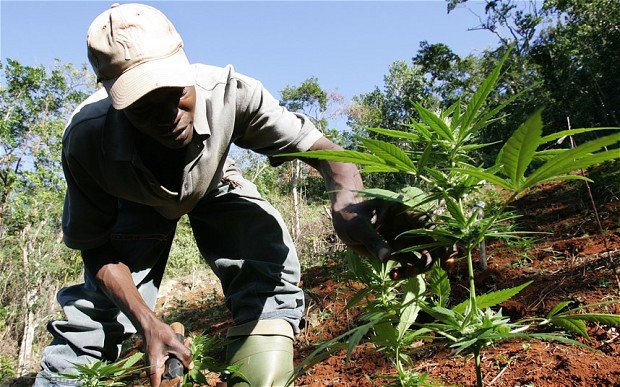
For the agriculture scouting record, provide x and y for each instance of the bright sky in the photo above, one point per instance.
(347, 45)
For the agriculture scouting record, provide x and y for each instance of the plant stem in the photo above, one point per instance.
(478, 368)
(399, 366)
(472, 283)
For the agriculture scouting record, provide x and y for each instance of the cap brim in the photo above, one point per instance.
(171, 71)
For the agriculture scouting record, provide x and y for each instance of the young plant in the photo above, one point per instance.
(390, 310)
(573, 321)
(103, 373)
(203, 347)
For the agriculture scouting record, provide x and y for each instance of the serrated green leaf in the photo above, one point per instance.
(392, 154)
(487, 118)
(385, 335)
(571, 132)
(439, 313)
(383, 194)
(455, 210)
(379, 169)
(425, 157)
(570, 324)
(566, 177)
(435, 123)
(356, 335)
(543, 336)
(547, 154)
(577, 157)
(413, 294)
(456, 117)
(424, 246)
(482, 175)
(344, 156)
(422, 129)
(440, 284)
(480, 96)
(590, 159)
(396, 134)
(595, 305)
(133, 359)
(463, 345)
(491, 299)
(472, 147)
(519, 150)
(447, 112)
(602, 318)
(557, 309)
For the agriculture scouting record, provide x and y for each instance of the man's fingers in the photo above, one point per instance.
(186, 357)
(187, 342)
(374, 243)
(156, 370)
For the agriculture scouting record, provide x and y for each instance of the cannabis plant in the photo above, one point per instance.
(203, 348)
(102, 373)
(435, 152)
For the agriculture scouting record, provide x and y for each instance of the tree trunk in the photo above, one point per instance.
(25, 349)
(295, 189)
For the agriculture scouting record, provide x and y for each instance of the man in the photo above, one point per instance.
(152, 146)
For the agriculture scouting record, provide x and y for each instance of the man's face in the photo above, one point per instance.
(166, 115)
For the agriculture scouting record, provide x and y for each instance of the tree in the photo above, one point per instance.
(35, 103)
(310, 99)
(512, 21)
(569, 47)
(577, 58)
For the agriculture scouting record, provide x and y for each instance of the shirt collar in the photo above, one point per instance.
(201, 124)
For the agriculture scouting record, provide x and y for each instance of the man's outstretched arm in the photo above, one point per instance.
(114, 278)
(350, 214)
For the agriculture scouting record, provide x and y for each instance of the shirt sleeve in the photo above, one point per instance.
(268, 128)
(89, 212)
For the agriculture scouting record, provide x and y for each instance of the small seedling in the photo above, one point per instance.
(102, 373)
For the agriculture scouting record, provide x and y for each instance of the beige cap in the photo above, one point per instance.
(135, 49)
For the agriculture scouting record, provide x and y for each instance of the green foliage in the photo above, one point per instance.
(387, 316)
(103, 373)
(35, 103)
(573, 321)
(518, 153)
(309, 98)
(7, 367)
(202, 348)
(184, 257)
(491, 299)
(444, 168)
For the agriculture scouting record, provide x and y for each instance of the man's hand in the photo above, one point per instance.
(371, 227)
(354, 226)
(160, 343)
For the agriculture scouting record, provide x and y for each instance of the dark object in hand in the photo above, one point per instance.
(173, 375)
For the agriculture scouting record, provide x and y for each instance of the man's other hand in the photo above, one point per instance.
(160, 343)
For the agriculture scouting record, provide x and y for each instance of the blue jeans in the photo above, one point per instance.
(239, 234)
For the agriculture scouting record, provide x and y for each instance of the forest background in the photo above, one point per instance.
(564, 58)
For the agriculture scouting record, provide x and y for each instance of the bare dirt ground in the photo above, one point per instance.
(572, 261)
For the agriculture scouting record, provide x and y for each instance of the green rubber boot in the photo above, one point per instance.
(263, 360)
